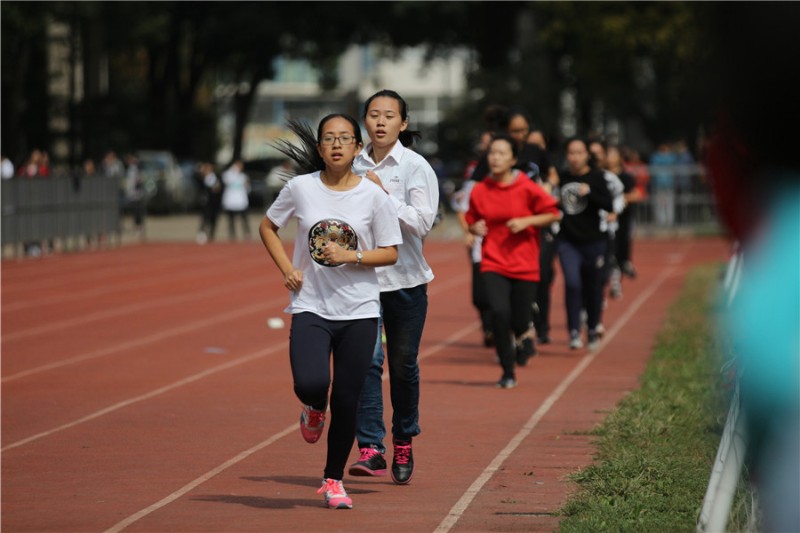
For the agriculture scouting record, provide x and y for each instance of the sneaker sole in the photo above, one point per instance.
(406, 482)
(360, 470)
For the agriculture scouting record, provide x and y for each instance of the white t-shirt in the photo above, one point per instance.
(414, 191)
(234, 197)
(347, 291)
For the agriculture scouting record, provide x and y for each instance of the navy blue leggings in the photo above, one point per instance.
(312, 339)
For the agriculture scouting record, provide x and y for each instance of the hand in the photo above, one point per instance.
(584, 189)
(469, 240)
(334, 254)
(516, 225)
(371, 176)
(293, 280)
(479, 228)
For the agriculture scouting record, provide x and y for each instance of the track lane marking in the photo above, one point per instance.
(471, 493)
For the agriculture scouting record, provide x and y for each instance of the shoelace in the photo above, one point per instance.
(367, 454)
(333, 488)
(314, 417)
(402, 453)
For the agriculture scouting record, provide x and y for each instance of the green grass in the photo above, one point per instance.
(656, 450)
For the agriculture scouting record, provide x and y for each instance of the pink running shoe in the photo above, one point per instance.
(370, 463)
(335, 495)
(311, 424)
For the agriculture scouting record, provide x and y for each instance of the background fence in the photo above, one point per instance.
(42, 210)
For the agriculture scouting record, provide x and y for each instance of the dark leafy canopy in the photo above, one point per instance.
(639, 59)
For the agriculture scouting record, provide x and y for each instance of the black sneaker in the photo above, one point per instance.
(370, 463)
(506, 383)
(525, 350)
(628, 270)
(543, 339)
(403, 462)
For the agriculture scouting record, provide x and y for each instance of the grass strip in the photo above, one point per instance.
(655, 451)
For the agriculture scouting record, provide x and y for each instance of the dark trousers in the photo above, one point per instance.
(622, 245)
(511, 301)
(583, 265)
(480, 299)
(547, 274)
(404, 312)
(312, 340)
(245, 224)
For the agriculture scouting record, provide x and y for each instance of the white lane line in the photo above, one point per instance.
(235, 362)
(161, 335)
(245, 454)
(156, 392)
(126, 309)
(464, 502)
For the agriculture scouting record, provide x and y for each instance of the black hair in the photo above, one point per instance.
(406, 137)
(592, 159)
(306, 156)
(506, 137)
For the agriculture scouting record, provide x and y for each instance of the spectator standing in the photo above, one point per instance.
(134, 192)
(334, 288)
(7, 168)
(662, 170)
(212, 199)
(235, 202)
(411, 184)
(506, 209)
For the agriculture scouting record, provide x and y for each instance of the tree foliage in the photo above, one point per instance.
(165, 60)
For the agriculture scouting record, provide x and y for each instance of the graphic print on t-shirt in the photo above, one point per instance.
(330, 230)
(571, 200)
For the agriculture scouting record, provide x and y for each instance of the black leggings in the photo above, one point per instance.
(312, 339)
(511, 301)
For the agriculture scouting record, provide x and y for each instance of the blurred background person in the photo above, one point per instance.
(460, 204)
(235, 201)
(211, 202)
(7, 169)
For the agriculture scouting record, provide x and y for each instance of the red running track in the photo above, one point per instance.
(142, 390)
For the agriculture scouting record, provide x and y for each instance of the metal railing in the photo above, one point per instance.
(60, 208)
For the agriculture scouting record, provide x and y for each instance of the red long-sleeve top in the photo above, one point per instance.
(514, 255)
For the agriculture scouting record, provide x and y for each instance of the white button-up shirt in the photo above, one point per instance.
(414, 189)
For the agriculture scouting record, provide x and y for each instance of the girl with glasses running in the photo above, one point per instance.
(346, 226)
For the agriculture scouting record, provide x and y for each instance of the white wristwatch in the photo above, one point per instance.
(359, 257)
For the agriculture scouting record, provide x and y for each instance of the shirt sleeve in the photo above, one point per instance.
(418, 213)
(283, 208)
(386, 224)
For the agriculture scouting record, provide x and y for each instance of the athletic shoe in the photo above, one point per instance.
(594, 341)
(615, 284)
(600, 330)
(628, 270)
(311, 424)
(335, 495)
(370, 463)
(575, 342)
(525, 350)
(506, 383)
(403, 462)
(543, 339)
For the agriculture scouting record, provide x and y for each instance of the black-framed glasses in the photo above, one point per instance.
(343, 139)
